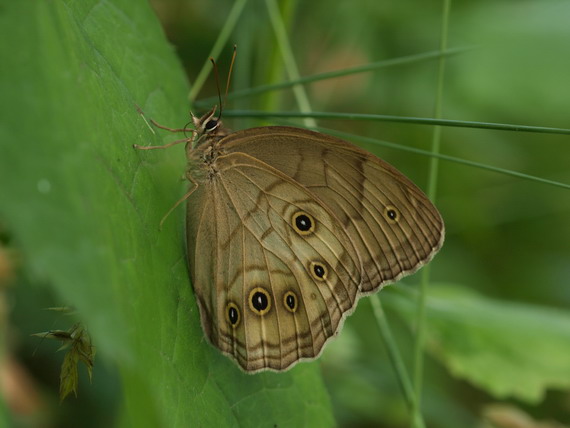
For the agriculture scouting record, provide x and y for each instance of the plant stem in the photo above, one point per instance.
(289, 59)
(217, 48)
(369, 67)
(395, 356)
(432, 186)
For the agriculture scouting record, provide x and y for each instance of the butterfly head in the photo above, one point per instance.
(208, 128)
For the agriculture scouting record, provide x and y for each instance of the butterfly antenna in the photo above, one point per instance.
(230, 73)
(217, 85)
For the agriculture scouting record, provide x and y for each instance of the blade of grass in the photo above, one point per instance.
(431, 193)
(454, 159)
(411, 59)
(222, 39)
(395, 357)
(400, 119)
(289, 59)
(273, 70)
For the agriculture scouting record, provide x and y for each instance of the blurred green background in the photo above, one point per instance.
(79, 209)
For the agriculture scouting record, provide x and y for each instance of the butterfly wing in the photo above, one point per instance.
(273, 270)
(393, 226)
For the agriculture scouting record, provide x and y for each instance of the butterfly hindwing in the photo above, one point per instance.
(283, 274)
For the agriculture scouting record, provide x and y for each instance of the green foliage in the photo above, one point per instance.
(508, 349)
(82, 207)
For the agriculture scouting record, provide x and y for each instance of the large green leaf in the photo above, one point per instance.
(508, 349)
(84, 208)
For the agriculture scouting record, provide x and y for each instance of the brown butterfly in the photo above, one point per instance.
(286, 229)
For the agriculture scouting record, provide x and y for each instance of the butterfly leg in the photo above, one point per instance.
(182, 199)
(158, 125)
(165, 146)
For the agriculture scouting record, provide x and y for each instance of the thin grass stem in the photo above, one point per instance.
(395, 355)
(222, 39)
(373, 66)
(289, 59)
(431, 193)
(453, 159)
(401, 119)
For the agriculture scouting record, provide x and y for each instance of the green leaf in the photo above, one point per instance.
(508, 349)
(84, 207)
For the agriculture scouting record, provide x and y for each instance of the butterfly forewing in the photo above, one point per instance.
(392, 224)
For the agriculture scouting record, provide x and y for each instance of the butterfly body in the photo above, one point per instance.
(287, 229)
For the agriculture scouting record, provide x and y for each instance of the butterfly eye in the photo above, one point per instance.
(319, 271)
(211, 124)
(232, 314)
(303, 223)
(259, 301)
(290, 301)
(391, 213)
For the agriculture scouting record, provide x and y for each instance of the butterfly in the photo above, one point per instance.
(286, 229)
